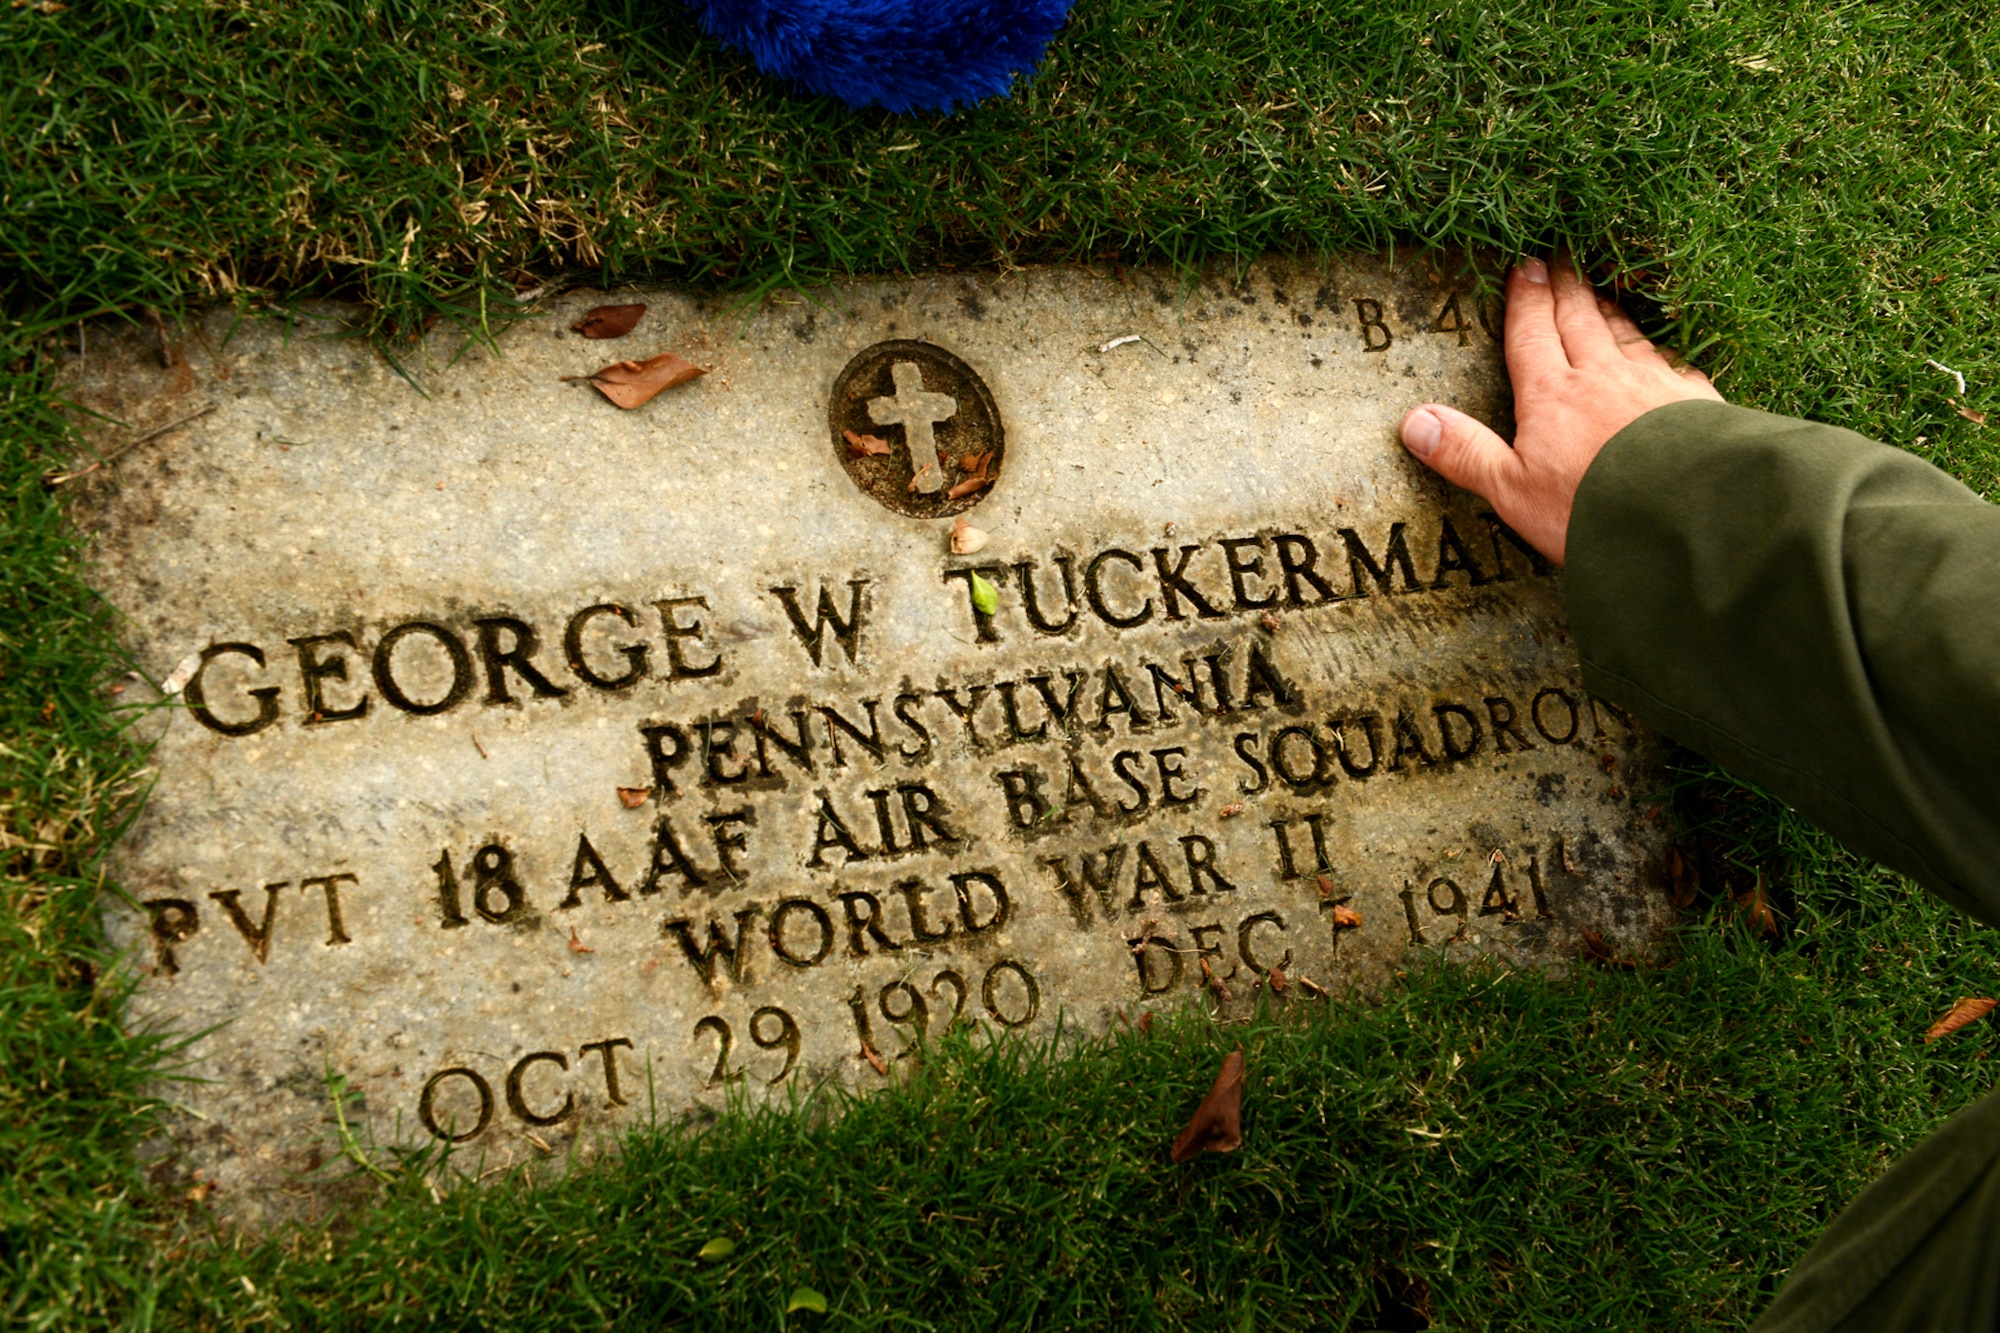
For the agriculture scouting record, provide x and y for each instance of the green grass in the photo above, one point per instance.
(1803, 190)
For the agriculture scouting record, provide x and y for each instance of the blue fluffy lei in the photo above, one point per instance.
(904, 55)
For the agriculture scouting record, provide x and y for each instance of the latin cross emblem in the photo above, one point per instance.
(916, 410)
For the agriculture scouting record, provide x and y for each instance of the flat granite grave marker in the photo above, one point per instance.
(544, 765)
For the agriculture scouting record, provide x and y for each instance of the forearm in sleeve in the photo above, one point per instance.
(1818, 613)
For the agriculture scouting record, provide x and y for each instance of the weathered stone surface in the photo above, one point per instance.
(550, 761)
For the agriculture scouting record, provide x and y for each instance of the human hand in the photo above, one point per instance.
(1582, 372)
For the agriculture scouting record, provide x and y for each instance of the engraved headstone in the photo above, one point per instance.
(547, 763)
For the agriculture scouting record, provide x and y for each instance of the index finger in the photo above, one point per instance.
(1532, 343)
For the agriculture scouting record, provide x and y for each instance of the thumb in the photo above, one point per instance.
(1459, 449)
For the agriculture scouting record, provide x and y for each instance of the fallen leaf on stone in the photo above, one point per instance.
(1596, 949)
(976, 478)
(1216, 984)
(917, 479)
(985, 597)
(1217, 1124)
(874, 1057)
(633, 797)
(863, 446)
(1278, 980)
(1269, 622)
(1967, 1010)
(1345, 917)
(966, 539)
(1973, 414)
(805, 1298)
(964, 488)
(631, 384)
(576, 945)
(609, 321)
(719, 1248)
(1325, 886)
(1233, 808)
(178, 678)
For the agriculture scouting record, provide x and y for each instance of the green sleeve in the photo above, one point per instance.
(1820, 614)
(1816, 612)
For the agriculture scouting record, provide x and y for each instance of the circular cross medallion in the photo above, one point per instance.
(916, 429)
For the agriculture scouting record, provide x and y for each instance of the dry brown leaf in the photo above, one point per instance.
(977, 477)
(966, 539)
(631, 384)
(576, 945)
(1325, 886)
(633, 797)
(1216, 984)
(918, 479)
(874, 1057)
(1230, 810)
(1596, 949)
(1967, 1010)
(609, 321)
(1278, 980)
(1269, 622)
(1756, 908)
(1217, 1124)
(1345, 917)
(1683, 882)
(864, 446)
(1973, 414)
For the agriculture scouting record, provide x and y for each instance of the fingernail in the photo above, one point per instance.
(1421, 432)
(1535, 271)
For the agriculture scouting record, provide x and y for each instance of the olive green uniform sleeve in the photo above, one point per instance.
(1820, 614)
